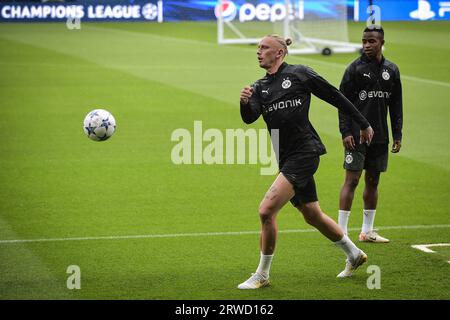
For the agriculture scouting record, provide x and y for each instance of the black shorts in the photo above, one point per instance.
(300, 173)
(373, 158)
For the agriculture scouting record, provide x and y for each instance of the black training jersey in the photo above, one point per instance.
(283, 99)
(373, 88)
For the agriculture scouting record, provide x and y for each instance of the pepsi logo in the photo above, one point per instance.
(229, 10)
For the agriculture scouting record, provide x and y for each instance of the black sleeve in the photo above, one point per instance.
(251, 111)
(328, 93)
(396, 108)
(347, 88)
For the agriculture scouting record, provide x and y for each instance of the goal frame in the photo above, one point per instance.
(311, 45)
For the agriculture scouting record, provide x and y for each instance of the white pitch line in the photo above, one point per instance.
(426, 247)
(202, 234)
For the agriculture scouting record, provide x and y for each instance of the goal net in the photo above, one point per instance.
(315, 26)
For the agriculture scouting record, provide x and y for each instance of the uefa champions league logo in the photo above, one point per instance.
(229, 11)
(150, 11)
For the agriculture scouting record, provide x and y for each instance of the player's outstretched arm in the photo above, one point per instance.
(328, 93)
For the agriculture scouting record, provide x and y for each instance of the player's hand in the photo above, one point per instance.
(246, 94)
(349, 143)
(366, 135)
(396, 146)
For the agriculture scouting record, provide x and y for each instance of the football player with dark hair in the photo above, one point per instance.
(373, 84)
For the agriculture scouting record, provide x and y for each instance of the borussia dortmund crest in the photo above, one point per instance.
(286, 83)
(349, 159)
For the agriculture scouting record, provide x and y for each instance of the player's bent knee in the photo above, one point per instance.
(311, 213)
(309, 219)
(312, 219)
(266, 212)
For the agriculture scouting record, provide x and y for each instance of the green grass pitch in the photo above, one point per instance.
(57, 184)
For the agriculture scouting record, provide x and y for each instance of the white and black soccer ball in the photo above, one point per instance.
(99, 125)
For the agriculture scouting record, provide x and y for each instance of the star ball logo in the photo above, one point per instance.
(229, 10)
(150, 11)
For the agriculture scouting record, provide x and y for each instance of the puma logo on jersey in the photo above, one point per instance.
(367, 75)
(265, 91)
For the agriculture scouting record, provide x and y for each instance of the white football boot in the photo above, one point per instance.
(372, 236)
(350, 266)
(256, 281)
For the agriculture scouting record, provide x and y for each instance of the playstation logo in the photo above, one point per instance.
(423, 11)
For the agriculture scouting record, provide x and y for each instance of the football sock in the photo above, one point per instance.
(264, 264)
(349, 247)
(343, 220)
(368, 219)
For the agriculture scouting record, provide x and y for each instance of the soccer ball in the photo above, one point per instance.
(99, 125)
